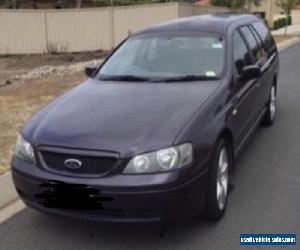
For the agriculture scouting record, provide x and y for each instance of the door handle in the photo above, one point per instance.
(234, 111)
(235, 103)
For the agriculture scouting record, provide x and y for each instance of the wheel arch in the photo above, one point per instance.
(275, 81)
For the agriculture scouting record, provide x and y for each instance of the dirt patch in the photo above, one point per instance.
(35, 81)
(19, 101)
(16, 65)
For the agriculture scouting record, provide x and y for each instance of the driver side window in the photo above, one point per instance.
(241, 55)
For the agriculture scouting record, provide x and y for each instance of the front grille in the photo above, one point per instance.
(90, 165)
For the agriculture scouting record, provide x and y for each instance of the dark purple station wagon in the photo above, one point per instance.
(153, 134)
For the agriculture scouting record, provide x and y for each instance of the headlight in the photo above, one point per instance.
(24, 150)
(161, 160)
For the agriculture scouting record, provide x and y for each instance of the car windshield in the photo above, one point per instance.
(166, 57)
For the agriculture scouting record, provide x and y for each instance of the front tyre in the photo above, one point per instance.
(217, 192)
(271, 108)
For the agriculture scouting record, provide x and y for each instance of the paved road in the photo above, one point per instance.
(265, 198)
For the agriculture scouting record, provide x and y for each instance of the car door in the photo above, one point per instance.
(259, 59)
(267, 62)
(244, 91)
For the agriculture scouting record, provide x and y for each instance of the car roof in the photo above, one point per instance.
(216, 23)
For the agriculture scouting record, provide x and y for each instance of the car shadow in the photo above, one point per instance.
(119, 235)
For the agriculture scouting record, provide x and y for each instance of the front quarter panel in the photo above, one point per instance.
(204, 128)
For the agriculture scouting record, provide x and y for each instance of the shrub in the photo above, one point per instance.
(281, 22)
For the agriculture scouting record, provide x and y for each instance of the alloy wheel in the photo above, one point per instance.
(273, 103)
(222, 178)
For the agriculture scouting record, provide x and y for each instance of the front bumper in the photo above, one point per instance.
(122, 198)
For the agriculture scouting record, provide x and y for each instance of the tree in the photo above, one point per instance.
(287, 6)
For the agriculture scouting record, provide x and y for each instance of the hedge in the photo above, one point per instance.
(281, 22)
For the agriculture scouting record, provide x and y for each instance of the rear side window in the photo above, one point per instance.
(241, 54)
(252, 41)
(261, 29)
(261, 48)
(265, 36)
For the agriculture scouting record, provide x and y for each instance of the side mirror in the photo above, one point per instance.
(89, 71)
(251, 72)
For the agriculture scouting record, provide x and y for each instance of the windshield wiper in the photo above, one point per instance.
(186, 78)
(127, 78)
(132, 78)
